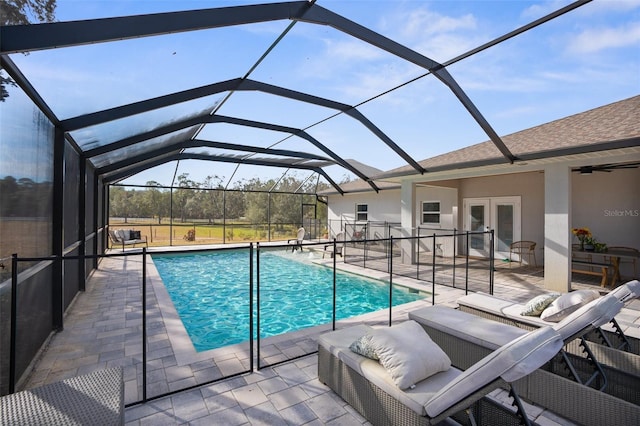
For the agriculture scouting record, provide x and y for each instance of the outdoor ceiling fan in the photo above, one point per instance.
(605, 168)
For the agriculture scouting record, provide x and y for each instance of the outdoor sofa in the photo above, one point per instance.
(381, 390)
(125, 237)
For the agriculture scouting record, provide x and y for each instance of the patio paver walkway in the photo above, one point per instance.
(103, 329)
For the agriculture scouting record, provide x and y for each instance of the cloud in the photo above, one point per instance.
(350, 50)
(435, 35)
(539, 10)
(603, 7)
(422, 22)
(598, 39)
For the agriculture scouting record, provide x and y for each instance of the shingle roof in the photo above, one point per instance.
(613, 122)
(591, 130)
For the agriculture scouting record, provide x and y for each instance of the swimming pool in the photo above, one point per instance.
(210, 292)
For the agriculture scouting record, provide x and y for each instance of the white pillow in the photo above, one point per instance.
(568, 303)
(535, 306)
(407, 352)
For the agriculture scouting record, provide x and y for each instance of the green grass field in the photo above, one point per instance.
(177, 234)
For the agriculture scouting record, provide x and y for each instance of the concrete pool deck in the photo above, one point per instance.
(103, 328)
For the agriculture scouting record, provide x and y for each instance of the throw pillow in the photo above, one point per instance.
(407, 352)
(134, 235)
(567, 304)
(123, 234)
(363, 347)
(535, 306)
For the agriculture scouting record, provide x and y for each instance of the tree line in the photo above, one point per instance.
(24, 197)
(254, 201)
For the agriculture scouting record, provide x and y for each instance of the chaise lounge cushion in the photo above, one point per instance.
(628, 291)
(480, 331)
(593, 315)
(407, 352)
(568, 303)
(510, 362)
(337, 343)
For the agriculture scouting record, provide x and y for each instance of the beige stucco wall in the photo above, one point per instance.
(382, 207)
(530, 188)
(607, 203)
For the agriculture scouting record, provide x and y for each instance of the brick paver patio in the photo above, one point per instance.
(103, 328)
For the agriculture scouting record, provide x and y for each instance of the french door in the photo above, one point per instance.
(502, 214)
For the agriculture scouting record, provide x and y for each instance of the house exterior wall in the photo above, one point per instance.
(382, 207)
(447, 196)
(529, 186)
(607, 203)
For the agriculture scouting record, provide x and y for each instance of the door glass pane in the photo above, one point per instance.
(505, 227)
(477, 224)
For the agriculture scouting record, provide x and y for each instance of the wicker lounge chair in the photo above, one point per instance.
(367, 386)
(621, 333)
(466, 338)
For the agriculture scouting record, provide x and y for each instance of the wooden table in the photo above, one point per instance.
(612, 256)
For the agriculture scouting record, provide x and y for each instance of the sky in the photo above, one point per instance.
(587, 58)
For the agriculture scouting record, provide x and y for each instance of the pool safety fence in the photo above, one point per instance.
(32, 300)
(438, 256)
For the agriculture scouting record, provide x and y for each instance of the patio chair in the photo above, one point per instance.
(521, 249)
(297, 242)
(368, 387)
(339, 247)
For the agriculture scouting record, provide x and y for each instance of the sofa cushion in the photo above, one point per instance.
(408, 353)
(535, 306)
(568, 303)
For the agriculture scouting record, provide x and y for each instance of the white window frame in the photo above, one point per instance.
(430, 212)
(364, 212)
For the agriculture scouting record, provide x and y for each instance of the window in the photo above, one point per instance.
(431, 212)
(362, 212)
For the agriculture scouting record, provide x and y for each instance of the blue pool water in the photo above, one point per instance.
(211, 294)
